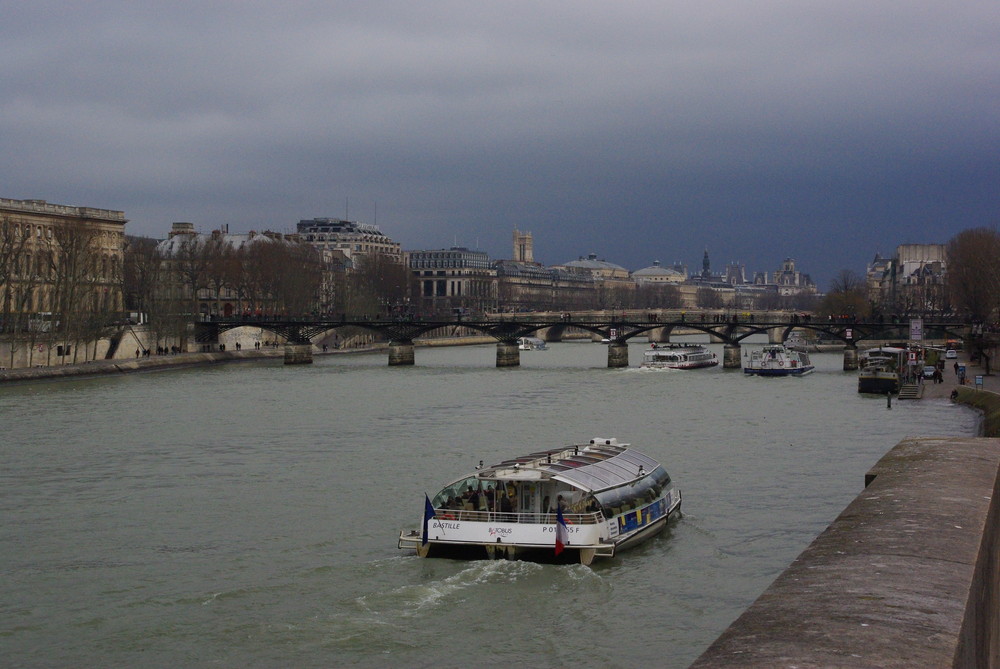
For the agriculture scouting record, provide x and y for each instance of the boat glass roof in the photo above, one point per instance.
(615, 471)
(601, 464)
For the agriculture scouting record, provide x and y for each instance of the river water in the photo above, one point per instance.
(247, 514)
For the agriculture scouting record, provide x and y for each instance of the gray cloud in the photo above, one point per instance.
(639, 131)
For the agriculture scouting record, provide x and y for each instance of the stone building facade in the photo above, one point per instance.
(350, 239)
(911, 281)
(47, 250)
(454, 278)
(60, 281)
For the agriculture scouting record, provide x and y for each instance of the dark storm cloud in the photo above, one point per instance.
(639, 131)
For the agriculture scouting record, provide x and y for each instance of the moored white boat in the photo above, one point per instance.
(776, 360)
(568, 504)
(531, 344)
(678, 356)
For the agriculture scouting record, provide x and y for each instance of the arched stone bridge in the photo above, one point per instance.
(728, 329)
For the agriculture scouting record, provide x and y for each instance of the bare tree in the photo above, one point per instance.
(377, 284)
(298, 278)
(190, 265)
(218, 271)
(847, 296)
(141, 274)
(974, 272)
(708, 298)
(76, 274)
(19, 282)
(13, 242)
(658, 296)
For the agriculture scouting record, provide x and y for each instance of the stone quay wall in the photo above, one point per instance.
(907, 576)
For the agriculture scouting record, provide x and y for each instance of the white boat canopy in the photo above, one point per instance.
(598, 466)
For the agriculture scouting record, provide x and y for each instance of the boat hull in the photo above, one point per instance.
(793, 371)
(587, 543)
(878, 385)
(680, 365)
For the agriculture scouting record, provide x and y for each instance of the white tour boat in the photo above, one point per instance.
(531, 344)
(776, 360)
(678, 356)
(568, 504)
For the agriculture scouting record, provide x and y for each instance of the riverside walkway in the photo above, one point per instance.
(908, 575)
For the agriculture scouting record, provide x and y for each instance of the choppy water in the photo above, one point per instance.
(246, 515)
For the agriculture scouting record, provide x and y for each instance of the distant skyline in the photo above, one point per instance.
(641, 131)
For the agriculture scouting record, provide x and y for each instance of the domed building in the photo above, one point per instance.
(613, 284)
(599, 269)
(657, 274)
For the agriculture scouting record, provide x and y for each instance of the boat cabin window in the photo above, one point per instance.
(469, 493)
(635, 495)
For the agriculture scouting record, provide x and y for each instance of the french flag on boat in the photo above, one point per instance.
(562, 532)
(428, 514)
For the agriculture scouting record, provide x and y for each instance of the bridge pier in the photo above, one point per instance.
(298, 354)
(552, 334)
(774, 335)
(617, 354)
(401, 352)
(659, 336)
(508, 355)
(850, 357)
(731, 356)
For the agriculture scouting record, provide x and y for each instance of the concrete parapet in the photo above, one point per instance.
(907, 576)
(988, 403)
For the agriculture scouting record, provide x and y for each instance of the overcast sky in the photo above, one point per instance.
(636, 130)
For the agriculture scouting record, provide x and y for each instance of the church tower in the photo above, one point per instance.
(706, 272)
(523, 251)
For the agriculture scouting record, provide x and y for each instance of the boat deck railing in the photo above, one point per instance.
(526, 518)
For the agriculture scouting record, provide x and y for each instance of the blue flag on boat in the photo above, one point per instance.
(428, 514)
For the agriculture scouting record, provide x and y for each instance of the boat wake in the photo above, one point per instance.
(415, 598)
(419, 598)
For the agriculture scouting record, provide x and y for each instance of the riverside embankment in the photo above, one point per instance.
(154, 363)
(907, 576)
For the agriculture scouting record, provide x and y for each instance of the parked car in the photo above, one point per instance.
(951, 354)
(929, 371)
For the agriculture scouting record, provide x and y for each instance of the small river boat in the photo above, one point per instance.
(878, 378)
(568, 504)
(880, 370)
(678, 356)
(776, 360)
(531, 344)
